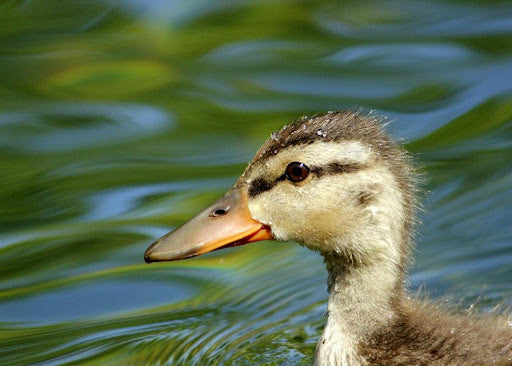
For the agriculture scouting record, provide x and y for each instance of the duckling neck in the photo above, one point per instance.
(362, 299)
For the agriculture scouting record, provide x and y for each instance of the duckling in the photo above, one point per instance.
(337, 184)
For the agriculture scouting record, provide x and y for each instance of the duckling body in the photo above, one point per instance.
(337, 184)
(403, 331)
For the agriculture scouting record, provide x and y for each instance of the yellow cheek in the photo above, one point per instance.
(257, 212)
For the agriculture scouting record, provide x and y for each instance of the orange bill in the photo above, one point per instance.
(224, 224)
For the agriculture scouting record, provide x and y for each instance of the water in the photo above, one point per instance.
(120, 120)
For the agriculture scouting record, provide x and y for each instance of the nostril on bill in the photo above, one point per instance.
(219, 211)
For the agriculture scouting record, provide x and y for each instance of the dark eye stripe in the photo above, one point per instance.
(335, 168)
(261, 185)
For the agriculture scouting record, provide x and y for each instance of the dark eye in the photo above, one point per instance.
(297, 171)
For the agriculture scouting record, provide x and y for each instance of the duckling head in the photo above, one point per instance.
(334, 183)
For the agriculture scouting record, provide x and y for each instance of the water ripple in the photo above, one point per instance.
(58, 127)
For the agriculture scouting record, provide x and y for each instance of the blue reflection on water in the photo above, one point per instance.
(100, 123)
(91, 300)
